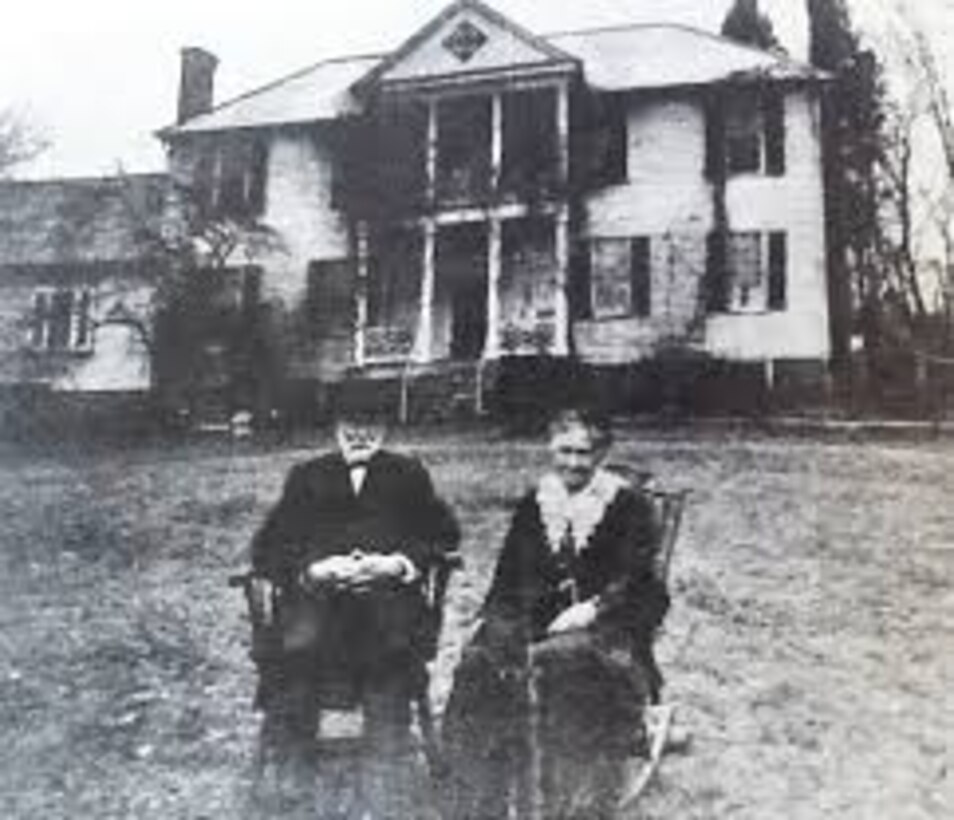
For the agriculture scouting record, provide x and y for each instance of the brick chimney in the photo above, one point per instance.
(196, 83)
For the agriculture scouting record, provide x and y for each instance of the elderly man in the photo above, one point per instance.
(347, 544)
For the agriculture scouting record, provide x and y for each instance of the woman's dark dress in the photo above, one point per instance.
(593, 682)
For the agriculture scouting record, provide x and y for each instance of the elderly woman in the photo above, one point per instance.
(574, 601)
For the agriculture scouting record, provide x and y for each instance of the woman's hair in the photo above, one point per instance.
(595, 423)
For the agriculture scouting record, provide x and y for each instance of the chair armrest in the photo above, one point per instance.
(434, 583)
(669, 506)
(261, 597)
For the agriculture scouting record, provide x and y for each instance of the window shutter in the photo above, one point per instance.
(217, 179)
(258, 170)
(203, 179)
(715, 138)
(778, 271)
(716, 273)
(82, 338)
(330, 297)
(581, 280)
(773, 118)
(61, 320)
(617, 148)
(640, 276)
(41, 314)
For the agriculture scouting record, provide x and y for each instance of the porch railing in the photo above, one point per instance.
(387, 344)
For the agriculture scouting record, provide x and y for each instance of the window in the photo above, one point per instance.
(527, 246)
(527, 270)
(745, 133)
(602, 158)
(620, 276)
(746, 272)
(231, 176)
(62, 319)
(387, 156)
(744, 263)
(394, 276)
(530, 161)
(463, 148)
(330, 296)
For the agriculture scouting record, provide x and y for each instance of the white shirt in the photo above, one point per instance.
(357, 474)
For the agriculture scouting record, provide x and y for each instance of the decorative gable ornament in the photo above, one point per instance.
(464, 41)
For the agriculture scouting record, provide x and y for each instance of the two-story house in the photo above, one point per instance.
(484, 196)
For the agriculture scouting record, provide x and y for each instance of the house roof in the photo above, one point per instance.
(320, 92)
(78, 221)
(655, 56)
(634, 57)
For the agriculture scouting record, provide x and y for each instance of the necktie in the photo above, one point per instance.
(566, 557)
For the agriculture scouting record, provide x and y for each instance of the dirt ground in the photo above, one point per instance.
(809, 648)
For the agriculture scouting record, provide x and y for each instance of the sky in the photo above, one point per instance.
(100, 76)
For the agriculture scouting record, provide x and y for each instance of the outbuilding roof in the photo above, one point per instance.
(623, 58)
(67, 222)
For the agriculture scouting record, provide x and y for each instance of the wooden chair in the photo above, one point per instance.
(668, 507)
(264, 604)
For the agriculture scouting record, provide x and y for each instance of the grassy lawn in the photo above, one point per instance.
(810, 645)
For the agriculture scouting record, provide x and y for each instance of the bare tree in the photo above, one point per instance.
(918, 203)
(196, 269)
(898, 240)
(20, 141)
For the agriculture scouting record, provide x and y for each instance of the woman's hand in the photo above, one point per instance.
(578, 616)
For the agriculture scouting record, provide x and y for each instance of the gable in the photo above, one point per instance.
(468, 38)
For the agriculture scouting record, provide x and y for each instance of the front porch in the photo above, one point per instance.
(463, 290)
(513, 389)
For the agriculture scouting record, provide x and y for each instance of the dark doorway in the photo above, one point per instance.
(462, 274)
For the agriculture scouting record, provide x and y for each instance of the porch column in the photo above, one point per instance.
(494, 251)
(431, 154)
(361, 293)
(563, 130)
(496, 140)
(423, 348)
(561, 311)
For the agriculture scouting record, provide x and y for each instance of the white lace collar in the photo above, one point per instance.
(579, 512)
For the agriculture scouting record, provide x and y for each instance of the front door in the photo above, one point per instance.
(462, 274)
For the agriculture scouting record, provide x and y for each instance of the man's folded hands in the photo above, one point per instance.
(358, 571)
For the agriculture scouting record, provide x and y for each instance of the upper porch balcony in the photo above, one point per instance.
(460, 151)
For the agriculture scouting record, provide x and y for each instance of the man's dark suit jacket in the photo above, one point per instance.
(319, 515)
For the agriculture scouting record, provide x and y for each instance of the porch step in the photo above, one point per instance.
(210, 412)
(448, 392)
(437, 392)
